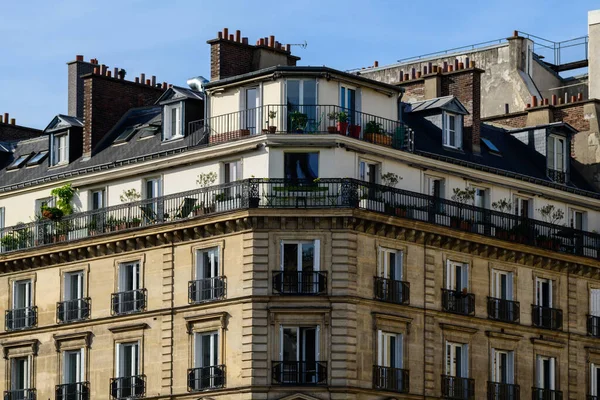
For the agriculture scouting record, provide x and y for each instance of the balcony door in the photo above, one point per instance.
(301, 96)
(457, 364)
(503, 366)
(74, 307)
(522, 206)
(20, 377)
(389, 350)
(73, 367)
(251, 114)
(299, 354)
(502, 285)
(543, 292)
(21, 304)
(546, 372)
(207, 272)
(129, 294)
(594, 379)
(128, 363)
(390, 266)
(349, 103)
(300, 264)
(457, 276)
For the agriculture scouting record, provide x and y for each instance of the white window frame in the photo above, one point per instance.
(316, 255)
(156, 187)
(451, 275)
(552, 149)
(384, 267)
(80, 365)
(518, 205)
(102, 197)
(486, 196)
(539, 293)
(245, 116)
(60, 148)
(594, 390)
(363, 170)
(27, 373)
(299, 356)
(595, 303)
(384, 355)
(168, 110)
(79, 276)
(232, 168)
(448, 130)
(539, 372)
(2, 218)
(27, 284)
(135, 278)
(496, 359)
(450, 356)
(430, 185)
(496, 287)
(573, 217)
(136, 364)
(199, 350)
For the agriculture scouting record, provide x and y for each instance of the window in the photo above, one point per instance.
(452, 130)
(556, 155)
(301, 96)
(130, 296)
(523, 206)
(388, 282)
(60, 149)
(456, 297)
(38, 158)
(349, 103)
(544, 315)
(502, 285)
(594, 313)
(251, 116)
(299, 355)
(545, 375)
(503, 366)
(125, 135)
(390, 266)
(594, 380)
(304, 166)
(457, 276)
(457, 357)
(41, 203)
(18, 163)
(209, 284)
(543, 292)
(23, 314)
(97, 199)
(389, 350)
(481, 197)
(75, 306)
(435, 187)
(368, 171)
(20, 379)
(300, 269)
(152, 190)
(207, 372)
(73, 370)
(233, 171)
(129, 381)
(577, 219)
(172, 124)
(2, 220)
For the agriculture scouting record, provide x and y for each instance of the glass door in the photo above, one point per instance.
(301, 102)
(251, 117)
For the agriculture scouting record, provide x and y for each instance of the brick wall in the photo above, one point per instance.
(77, 69)
(229, 59)
(465, 85)
(414, 91)
(573, 115)
(106, 100)
(17, 132)
(515, 120)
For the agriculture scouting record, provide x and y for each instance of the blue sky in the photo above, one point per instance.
(168, 38)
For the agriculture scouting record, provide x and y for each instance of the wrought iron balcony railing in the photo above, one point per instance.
(73, 391)
(503, 310)
(547, 317)
(456, 388)
(306, 119)
(21, 318)
(557, 176)
(392, 379)
(128, 302)
(208, 289)
(20, 394)
(73, 310)
(592, 397)
(205, 378)
(593, 325)
(391, 291)
(321, 193)
(300, 283)
(299, 373)
(458, 302)
(545, 394)
(128, 387)
(503, 391)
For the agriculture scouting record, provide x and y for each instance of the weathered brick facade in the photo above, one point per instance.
(571, 113)
(106, 100)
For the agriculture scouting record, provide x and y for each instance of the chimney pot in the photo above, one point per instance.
(137, 79)
(450, 68)
(148, 82)
(418, 74)
(412, 73)
(238, 35)
(6, 118)
(534, 101)
(553, 99)
(153, 80)
(528, 106)
(429, 65)
(545, 101)
(13, 121)
(461, 65)
(467, 63)
(456, 64)
(108, 73)
(472, 64)
(164, 85)
(261, 41)
(376, 64)
(245, 40)
(560, 100)
(116, 72)
(231, 37)
(96, 71)
(272, 41)
(170, 85)
(78, 58)
(425, 70)
(573, 99)
(288, 48)
(142, 78)
(579, 96)
(515, 33)
(225, 33)
(220, 35)
(435, 69)
(445, 67)
(406, 77)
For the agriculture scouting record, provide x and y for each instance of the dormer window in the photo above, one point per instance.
(172, 126)
(452, 130)
(60, 148)
(556, 157)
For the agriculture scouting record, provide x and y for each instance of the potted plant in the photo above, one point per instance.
(463, 196)
(354, 131)
(389, 180)
(299, 121)
(551, 215)
(342, 124)
(52, 213)
(332, 116)
(374, 133)
(16, 239)
(272, 116)
(128, 196)
(204, 180)
(503, 206)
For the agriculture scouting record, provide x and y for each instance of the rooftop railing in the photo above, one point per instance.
(321, 193)
(306, 119)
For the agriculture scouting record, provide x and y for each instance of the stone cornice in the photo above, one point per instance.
(503, 335)
(128, 328)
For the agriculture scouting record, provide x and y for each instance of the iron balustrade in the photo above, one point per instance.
(207, 289)
(300, 282)
(392, 379)
(503, 391)
(391, 291)
(458, 302)
(546, 317)
(592, 397)
(306, 119)
(321, 193)
(593, 325)
(73, 310)
(128, 302)
(457, 388)
(73, 391)
(212, 377)
(128, 387)
(503, 310)
(21, 318)
(299, 373)
(545, 394)
(557, 176)
(20, 394)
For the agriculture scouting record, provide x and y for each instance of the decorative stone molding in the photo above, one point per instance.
(218, 320)
(458, 328)
(129, 328)
(549, 342)
(73, 340)
(503, 335)
(20, 348)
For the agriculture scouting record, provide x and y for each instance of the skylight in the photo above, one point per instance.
(38, 158)
(148, 132)
(19, 161)
(125, 135)
(490, 146)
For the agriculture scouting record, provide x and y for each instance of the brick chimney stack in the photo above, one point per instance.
(231, 54)
(76, 69)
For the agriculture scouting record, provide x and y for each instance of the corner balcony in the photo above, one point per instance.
(305, 119)
(322, 193)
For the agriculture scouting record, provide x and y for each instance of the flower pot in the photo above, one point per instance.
(378, 138)
(265, 131)
(254, 202)
(466, 225)
(342, 127)
(244, 132)
(400, 212)
(354, 131)
(331, 129)
(272, 129)
(199, 211)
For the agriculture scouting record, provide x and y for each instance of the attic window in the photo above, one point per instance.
(38, 158)
(490, 146)
(452, 130)
(556, 158)
(172, 128)
(60, 149)
(148, 132)
(19, 161)
(125, 135)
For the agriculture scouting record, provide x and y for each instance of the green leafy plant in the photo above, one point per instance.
(272, 115)
(342, 116)
(16, 239)
(332, 116)
(390, 179)
(373, 127)
(551, 214)
(299, 120)
(206, 179)
(463, 196)
(64, 196)
(502, 205)
(52, 213)
(130, 196)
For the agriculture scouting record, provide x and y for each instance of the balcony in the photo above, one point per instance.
(557, 176)
(306, 119)
(391, 291)
(21, 394)
(458, 302)
(593, 325)
(299, 373)
(325, 193)
(391, 379)
(503, 391)
(592, 397)
(209, 289)
(300, 283)
(73, 310)
(128, 387)
(129, 302)
(206, 378)
(503, 310)
(456, 388)
(21, 318)
(545, 394)
(546, 317)
(73, 391)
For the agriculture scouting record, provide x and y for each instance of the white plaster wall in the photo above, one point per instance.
(379, 104)
(329, 92)
(225, 102)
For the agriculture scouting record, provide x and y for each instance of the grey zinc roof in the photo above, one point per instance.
(444, 103)
(62, 121)
(177, 92)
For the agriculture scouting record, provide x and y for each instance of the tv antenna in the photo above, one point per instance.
(303, 45)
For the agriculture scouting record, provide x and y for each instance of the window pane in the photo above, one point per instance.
(293, 93)
(301, 166)
(290, 257)
(308, 256)
(290, 343)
